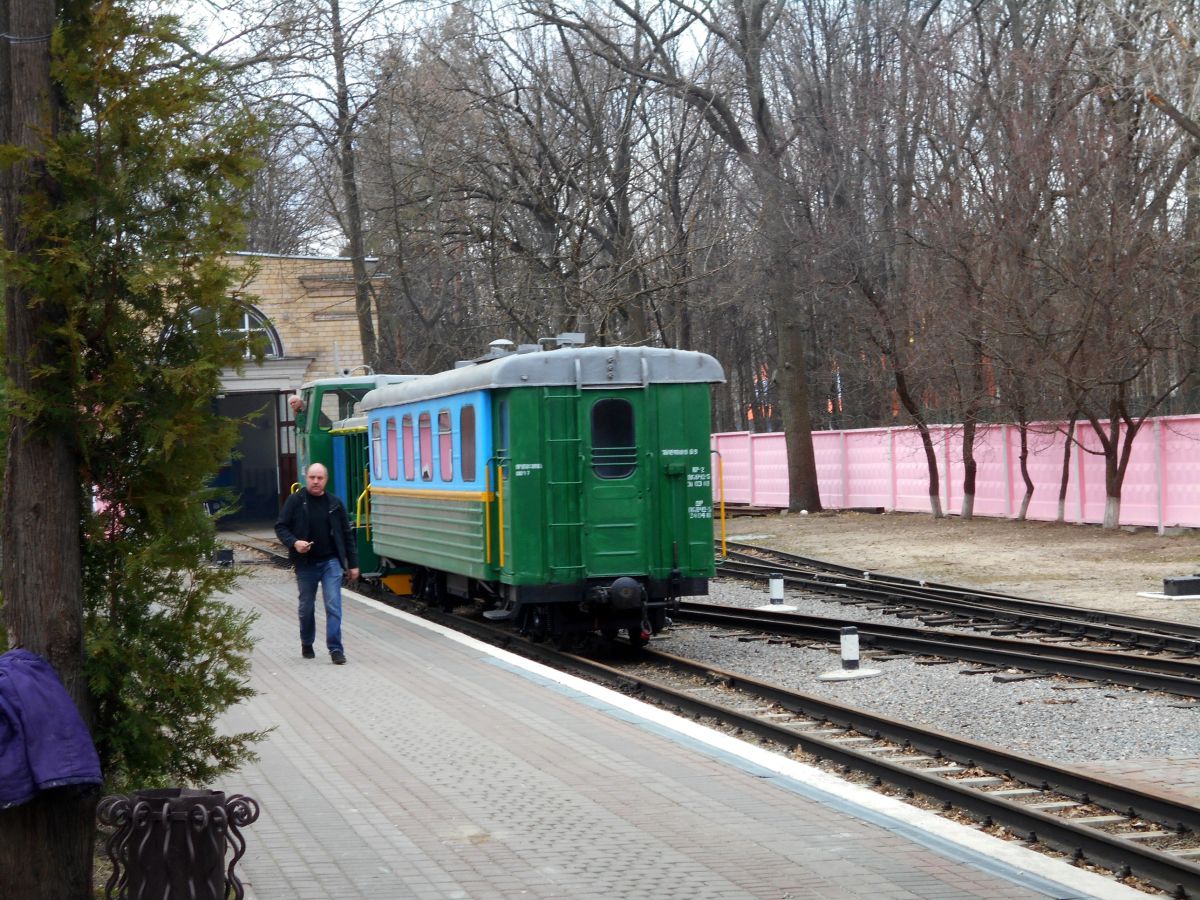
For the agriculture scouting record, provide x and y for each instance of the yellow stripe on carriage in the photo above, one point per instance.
(429, 494)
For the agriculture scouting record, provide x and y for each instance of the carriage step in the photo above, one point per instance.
(498, 615)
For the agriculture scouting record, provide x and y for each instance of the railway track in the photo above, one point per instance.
(1168, 674)
(1002, 614)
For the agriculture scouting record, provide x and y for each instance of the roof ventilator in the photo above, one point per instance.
(502, 347)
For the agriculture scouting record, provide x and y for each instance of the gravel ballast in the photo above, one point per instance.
(1062, 720)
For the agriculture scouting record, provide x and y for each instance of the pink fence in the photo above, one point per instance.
(885, 467)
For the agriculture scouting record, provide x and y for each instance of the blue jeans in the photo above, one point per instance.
(328, 574)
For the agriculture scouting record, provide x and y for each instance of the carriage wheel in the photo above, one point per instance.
(433, 590)
(538, 625)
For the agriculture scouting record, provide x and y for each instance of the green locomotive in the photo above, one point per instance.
(568, 490)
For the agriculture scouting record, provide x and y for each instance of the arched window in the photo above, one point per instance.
(466, 428)
(246, 323)
(376, 450)
(251, 324)
(409, 453)
(445, 446)
(425, 439)
(393, 457)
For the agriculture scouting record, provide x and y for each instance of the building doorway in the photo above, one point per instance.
(258, 467)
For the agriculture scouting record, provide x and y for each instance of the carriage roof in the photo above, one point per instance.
(353, 381)
(583, 367)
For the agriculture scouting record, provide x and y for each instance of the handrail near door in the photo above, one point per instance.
(487, 511)
(358, 510)
(721, 484)
(487, 507)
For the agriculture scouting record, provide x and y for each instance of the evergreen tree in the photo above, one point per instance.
(117, 224)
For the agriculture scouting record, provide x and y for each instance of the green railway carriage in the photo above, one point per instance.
(327, 401)
(569, 490)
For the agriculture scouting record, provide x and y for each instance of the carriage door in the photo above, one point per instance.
(614, 479)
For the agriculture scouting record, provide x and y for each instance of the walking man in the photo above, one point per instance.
(315, 528)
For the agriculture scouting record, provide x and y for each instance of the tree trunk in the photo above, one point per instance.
(364, 306)
(906, 399)
(1023, 430)
(46, 844)
(804, 493)
(935, 493)
(1116, 457)
(970, 467)
(793, 398)
(1112, 511)
(1066, 472)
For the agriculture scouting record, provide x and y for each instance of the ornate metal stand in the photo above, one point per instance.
(170, 844)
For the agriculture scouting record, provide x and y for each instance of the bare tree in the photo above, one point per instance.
(283, 214)
(316, 58)
(743, 115)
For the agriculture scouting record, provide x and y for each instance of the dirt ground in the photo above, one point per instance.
(1081, 565)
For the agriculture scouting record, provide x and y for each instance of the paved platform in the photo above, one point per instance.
(433, 766)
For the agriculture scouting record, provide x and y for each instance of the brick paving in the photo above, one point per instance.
(428, 768)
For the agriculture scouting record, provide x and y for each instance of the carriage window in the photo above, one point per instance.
(445, 446)
(406, 431)
(393, 448)
(376, 450)
(466, 432)
(614, 450)
(330, 410)
(425, 437)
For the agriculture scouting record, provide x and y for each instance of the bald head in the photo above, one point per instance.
(315, 478)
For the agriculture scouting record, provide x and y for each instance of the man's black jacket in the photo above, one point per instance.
(292, 525)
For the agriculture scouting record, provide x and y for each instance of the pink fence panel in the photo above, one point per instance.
(1179, 440)
(1046, 442)
(910, 472)
(769, 456)
(732, 469)
(993, 474)
(829, 451)
(1086, 487)
(868, 467)
(1139, 491)
(886, 467)
(947, 441)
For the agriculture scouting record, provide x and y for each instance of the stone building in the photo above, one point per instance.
(303, 308)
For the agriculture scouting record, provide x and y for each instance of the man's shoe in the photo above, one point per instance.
(306, 651)
(338, 657)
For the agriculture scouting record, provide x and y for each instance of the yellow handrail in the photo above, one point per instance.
(358, 511)
(500, 508)
(721, 483)
(487, 511)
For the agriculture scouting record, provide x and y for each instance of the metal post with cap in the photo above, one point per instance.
(775, 594)
(850, 660)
